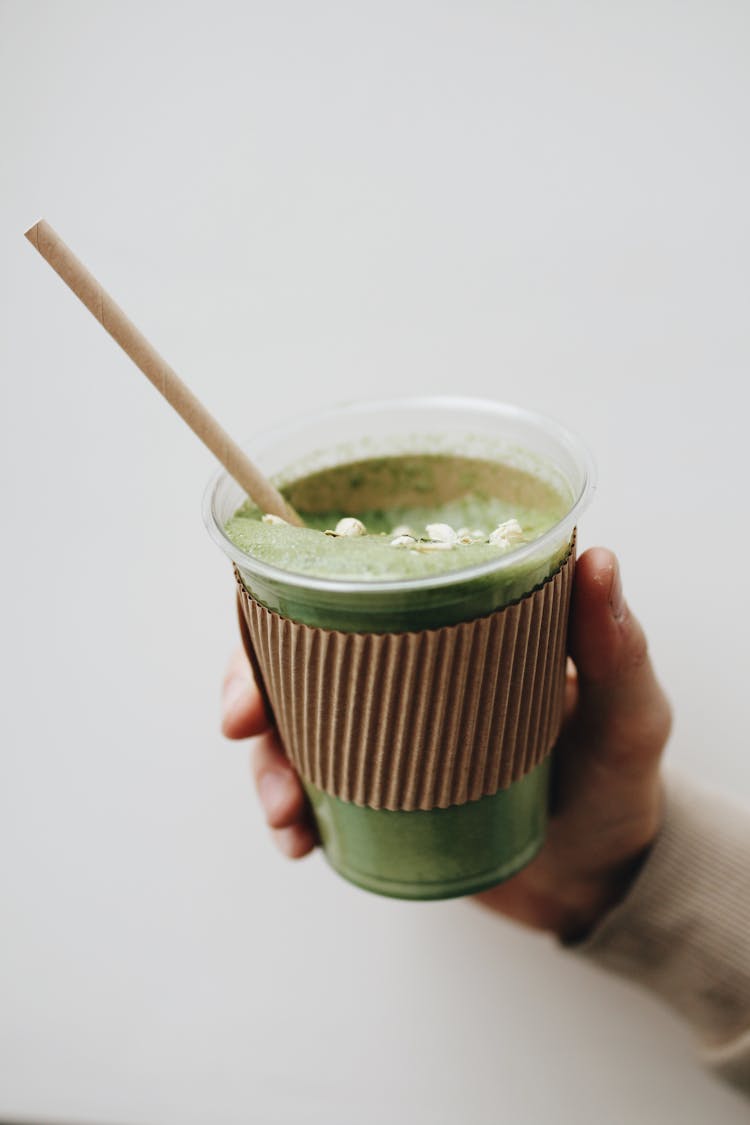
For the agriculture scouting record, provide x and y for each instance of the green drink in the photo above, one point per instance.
(426, 464)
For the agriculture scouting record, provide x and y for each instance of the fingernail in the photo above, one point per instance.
(272, 787)
(234, 693)
(616, 596)
(285, 839)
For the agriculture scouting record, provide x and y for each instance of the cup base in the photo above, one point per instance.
(424, 892)
(439, 853)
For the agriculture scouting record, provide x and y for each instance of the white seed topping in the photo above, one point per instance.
(465, 535)
(402, 529)
(270, 518)
(350, 526)
(506, 534)
(404, 541)
(441, 533)
(433, 545)
(512, 530)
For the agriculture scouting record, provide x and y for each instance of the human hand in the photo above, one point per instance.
(278, 786)
(606, 802)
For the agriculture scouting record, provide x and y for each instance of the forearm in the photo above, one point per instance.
(683, 929)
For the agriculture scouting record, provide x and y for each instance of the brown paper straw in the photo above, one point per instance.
(154, 367)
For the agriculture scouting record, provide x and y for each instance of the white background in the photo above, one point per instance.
(301, 202)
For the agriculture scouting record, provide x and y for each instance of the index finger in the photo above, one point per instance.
(243, 713)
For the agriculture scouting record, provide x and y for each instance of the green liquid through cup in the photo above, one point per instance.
(435, 853)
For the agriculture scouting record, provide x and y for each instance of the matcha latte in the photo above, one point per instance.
(410, 637)
(395, 518)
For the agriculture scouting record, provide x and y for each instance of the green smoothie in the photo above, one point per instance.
(421, 514)
(408, 517)
(391, 494)
(380, 522)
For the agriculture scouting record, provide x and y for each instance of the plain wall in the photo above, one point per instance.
(302, 203)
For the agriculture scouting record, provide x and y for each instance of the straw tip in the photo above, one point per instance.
(33, 232)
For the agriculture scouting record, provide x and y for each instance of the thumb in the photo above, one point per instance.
(623, 716)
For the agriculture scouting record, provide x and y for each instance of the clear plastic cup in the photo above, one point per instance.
(441, 852)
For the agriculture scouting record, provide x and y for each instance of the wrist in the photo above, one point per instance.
(579, 875)
(596, 892)
(593, 900)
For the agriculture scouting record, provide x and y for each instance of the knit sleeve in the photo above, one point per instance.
(683, 929)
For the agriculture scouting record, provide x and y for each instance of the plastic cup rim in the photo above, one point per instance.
(463, 574)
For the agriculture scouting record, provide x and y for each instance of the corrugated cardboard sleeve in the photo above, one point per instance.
(416, 720)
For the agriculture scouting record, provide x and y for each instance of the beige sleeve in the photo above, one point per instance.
(683, 930)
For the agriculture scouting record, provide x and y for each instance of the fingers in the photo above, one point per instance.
(619, 697)
(282, 797)
(243, 714)
(278, 786)
(279, 789)
(295, 841)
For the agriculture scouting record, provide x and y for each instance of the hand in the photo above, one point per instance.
(279, 788)
(606, 795)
